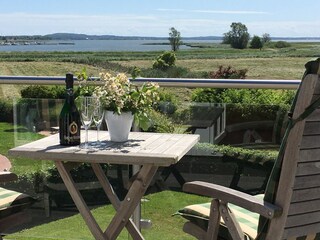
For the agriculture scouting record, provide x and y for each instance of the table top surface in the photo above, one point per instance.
(159, 149)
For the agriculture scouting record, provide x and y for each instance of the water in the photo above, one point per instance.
(108, 45)
(93, 45)
(96, 45)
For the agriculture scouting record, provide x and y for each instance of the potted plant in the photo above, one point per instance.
(124, 101)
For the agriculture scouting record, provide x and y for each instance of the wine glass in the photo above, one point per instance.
(98, 114)
(86, 108)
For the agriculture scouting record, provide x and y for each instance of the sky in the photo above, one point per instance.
(279, 18)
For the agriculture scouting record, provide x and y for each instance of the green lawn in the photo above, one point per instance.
(158, 209)
(12, 136)
(258, 68)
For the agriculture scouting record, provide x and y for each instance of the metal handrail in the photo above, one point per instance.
(164, 82)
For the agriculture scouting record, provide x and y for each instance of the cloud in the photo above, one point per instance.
(24, 23)
(285, 28)
(212, 11)
(145, 25)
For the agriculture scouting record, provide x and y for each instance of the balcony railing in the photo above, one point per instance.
(165, 82)
(210, 133)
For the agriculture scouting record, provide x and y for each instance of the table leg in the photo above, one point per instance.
(79, 201)
(132, 199)
(136, 216)
(107, 187)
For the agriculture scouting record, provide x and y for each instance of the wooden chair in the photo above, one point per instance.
(12, 204)
(290, 207)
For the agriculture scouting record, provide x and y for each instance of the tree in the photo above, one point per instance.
(174, 39)
(238, 36)
(266, 38)
(256, 42)
(226, 38)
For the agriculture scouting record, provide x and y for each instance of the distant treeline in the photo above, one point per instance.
(76, 36)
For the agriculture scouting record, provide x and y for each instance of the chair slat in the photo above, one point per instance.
(304, 207)
(311, 128)
(301, 231)
(309, 181)
(308, 194)
(315, 116)
(308, 168)
(308, 142)
(303, 219)
(309, 155)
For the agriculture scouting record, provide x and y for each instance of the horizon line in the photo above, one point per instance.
(100, 35)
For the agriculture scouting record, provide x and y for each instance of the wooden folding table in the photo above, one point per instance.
(148, 150)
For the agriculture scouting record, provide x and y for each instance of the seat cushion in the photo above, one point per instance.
(13, 202)
(199, 215)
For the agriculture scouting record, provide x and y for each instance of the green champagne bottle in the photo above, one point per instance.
(69, 120)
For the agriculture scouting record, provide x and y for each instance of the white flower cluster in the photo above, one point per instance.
(118, 94)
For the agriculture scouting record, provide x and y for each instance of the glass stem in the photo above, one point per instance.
(86, 140)
(98, 132)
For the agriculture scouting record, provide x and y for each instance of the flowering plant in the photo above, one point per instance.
(119, 95)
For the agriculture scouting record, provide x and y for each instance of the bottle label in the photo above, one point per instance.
(70, 92)
(73, 128)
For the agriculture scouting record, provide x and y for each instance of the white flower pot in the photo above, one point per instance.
(119, 125)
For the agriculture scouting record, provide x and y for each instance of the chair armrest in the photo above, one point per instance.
(8, 176)
(235, 197)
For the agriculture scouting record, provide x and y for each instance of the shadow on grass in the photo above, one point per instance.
(21, 130)
(158, 208)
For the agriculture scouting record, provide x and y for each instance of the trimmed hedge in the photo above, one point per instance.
(250, 155)
(55, 92)
(6, 111)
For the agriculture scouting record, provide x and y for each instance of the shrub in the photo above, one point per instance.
(165, 61)
(6, 111)
(167, 103)
(82, 173)
(214, 95)
(205, 95)
(55, 92)
(243, 96)
(228, 72)
(242, 154)
(172, 72)
(256, 43)
(160, 123)
(282, 44)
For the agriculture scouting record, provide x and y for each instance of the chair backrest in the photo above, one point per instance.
(5, 164)
(297, 189)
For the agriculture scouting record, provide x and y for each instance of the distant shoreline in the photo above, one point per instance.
(26, 43)
(76, 36)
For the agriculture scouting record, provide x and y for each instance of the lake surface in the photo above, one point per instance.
(105, 45)
(96, 45)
